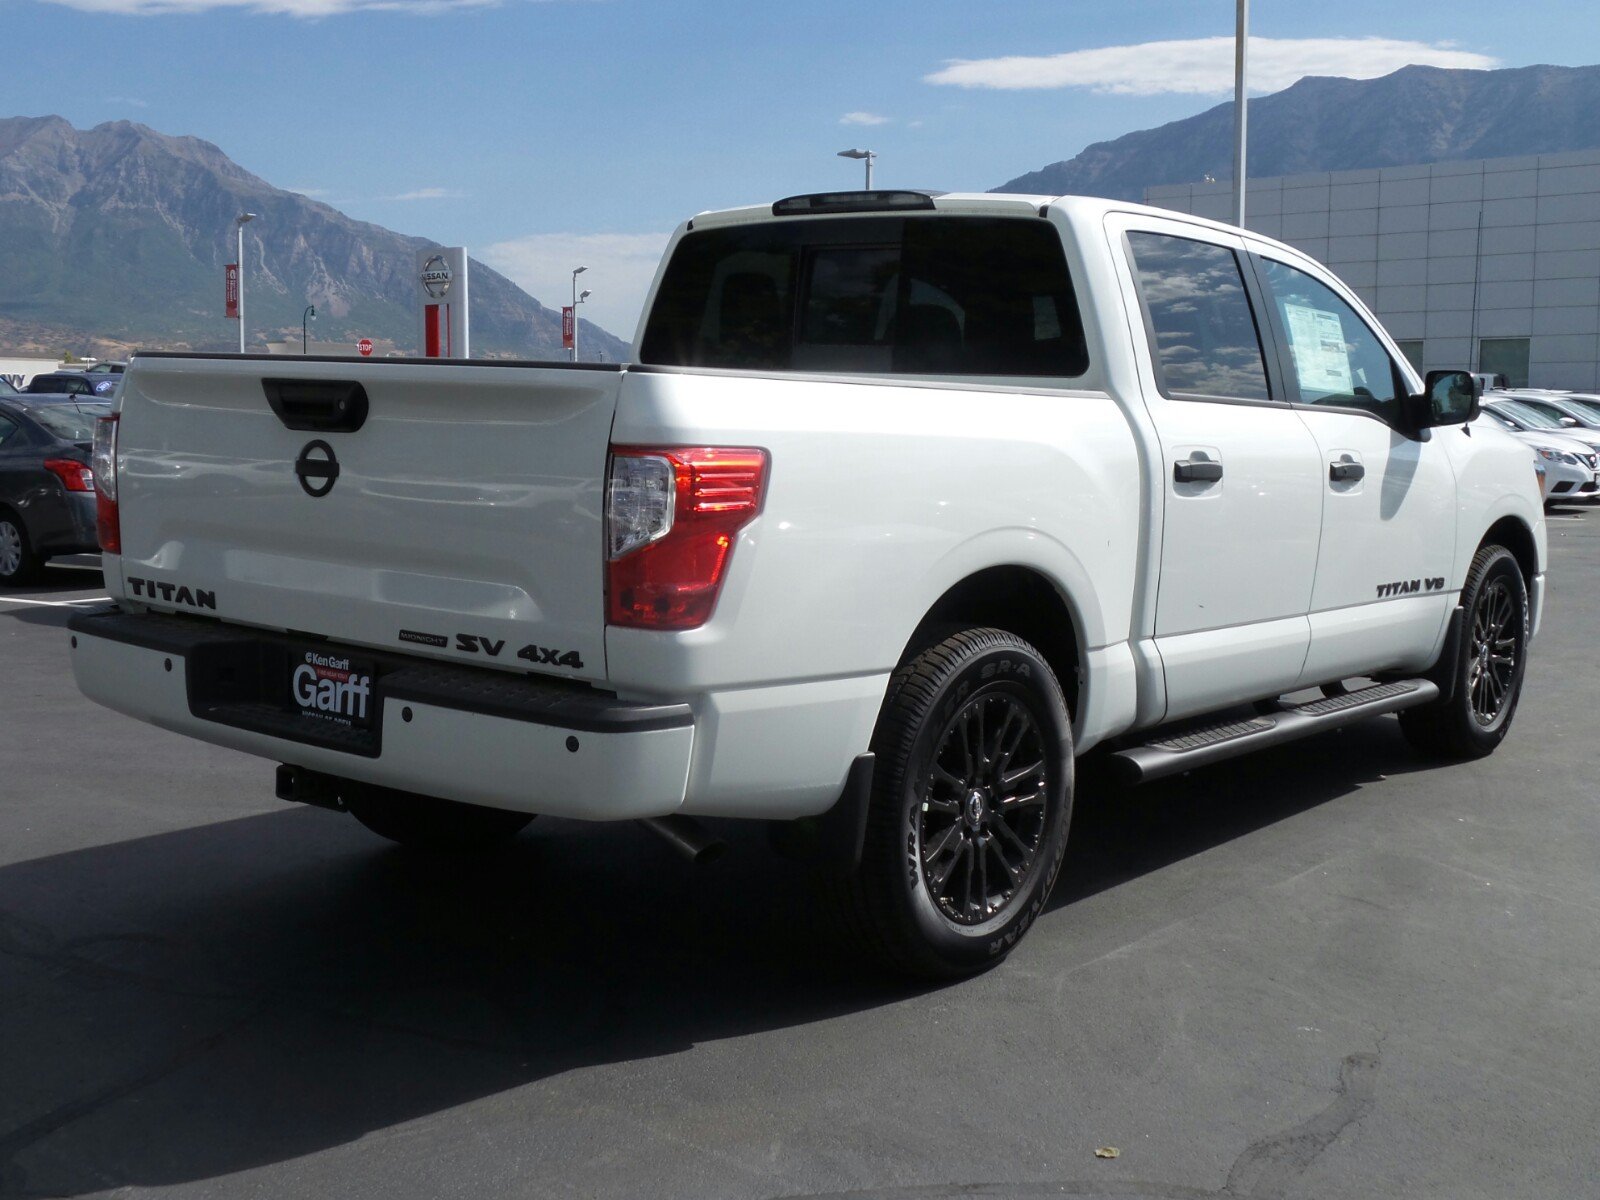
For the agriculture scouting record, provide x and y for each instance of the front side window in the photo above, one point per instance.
(937, 295)
(7, 428)
(1205, 339)
(1337, 359)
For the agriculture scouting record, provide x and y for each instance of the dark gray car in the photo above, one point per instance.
(47, 505)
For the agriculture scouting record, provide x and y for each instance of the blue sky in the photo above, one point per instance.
(546, 133)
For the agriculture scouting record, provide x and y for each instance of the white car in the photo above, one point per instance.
(1569, 466)
(1524, 413)
(1571, 410)
(904, 502)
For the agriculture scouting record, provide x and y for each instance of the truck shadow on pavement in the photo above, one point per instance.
(200, 1002)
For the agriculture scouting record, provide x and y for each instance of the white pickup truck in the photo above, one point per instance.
(905, 502)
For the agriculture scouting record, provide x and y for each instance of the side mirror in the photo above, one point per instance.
(1450, 398)
(1569, 422)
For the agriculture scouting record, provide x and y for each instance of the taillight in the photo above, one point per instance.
(671, 517)
(108, 524)
(74, 476)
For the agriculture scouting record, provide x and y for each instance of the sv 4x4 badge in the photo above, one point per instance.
(474, 643)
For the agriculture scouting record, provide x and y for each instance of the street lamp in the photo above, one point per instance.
(311, 312)
(239, 223)
(582, 296)
(868, 155)
(575, 273)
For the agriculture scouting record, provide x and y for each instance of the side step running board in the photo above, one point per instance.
(1174, 753)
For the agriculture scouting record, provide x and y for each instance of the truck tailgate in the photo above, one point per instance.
(464, 519)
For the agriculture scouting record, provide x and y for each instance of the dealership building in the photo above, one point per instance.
(1493, 263)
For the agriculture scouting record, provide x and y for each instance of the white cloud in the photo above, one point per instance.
(621, 267)
(305, 9)
(863, 118)
(1203, 66)
(429, 193)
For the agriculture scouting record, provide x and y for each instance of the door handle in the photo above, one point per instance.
(1196, 470)
(1345, 472)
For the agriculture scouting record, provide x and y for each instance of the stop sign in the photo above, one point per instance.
(364, 347)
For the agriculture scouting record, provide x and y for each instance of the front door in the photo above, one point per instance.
(1388, 495)
(1241, 499)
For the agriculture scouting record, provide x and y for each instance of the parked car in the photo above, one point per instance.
(1569, 466)
(74, 383)
(5, 387)
(106, 368)
(1569, 410)
(47, 500)
(905, 502)
(1534, 418)
(1488, 382)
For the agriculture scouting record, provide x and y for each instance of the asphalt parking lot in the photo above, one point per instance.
(1333, 970)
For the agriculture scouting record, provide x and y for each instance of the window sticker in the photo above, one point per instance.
(1321, 355)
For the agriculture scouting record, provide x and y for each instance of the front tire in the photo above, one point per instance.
(971, 802)
(428, 823)
(1487, 672)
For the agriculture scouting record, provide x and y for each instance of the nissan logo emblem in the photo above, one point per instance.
(317, 468)
(436, 277)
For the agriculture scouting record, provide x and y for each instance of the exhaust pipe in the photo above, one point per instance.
(688, 837)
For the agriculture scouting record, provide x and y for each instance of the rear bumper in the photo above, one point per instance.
(495, 739)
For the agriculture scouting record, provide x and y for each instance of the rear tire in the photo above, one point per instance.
(971, 802)
(1487, 672)
(427, 823)
(18, 562)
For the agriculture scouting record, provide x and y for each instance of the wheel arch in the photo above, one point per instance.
(1019, 599)
(1513, 533)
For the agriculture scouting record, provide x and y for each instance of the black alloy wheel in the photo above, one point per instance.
(1492, 669)
(984, 808)
(1482, 680)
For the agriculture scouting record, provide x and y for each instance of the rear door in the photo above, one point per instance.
(1238, 471)
(461, 517)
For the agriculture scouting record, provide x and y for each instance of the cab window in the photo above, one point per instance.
(1337, 360)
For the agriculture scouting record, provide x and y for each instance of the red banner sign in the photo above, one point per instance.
(566, 327)
(230, 291)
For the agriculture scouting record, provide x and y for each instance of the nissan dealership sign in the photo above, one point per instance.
(442, 299)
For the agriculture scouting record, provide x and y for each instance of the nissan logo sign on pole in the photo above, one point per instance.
(442, 292)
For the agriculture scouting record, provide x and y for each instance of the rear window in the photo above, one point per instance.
(885, 295)
(70, 422)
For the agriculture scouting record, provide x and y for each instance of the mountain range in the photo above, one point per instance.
(1414, 115)
(115, 237)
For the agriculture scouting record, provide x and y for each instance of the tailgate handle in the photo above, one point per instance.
(318, 405)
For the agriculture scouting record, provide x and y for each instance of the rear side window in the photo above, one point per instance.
(887, 295)
(1205, 341)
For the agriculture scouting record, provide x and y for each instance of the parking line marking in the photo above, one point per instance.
(53, 603)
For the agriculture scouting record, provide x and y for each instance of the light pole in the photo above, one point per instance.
(868, 155)
(311, 312)
(575, 273)
(1241, 40)
(239, 223)
(582, 296)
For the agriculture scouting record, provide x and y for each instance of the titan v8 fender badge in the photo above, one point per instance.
(317, 468)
